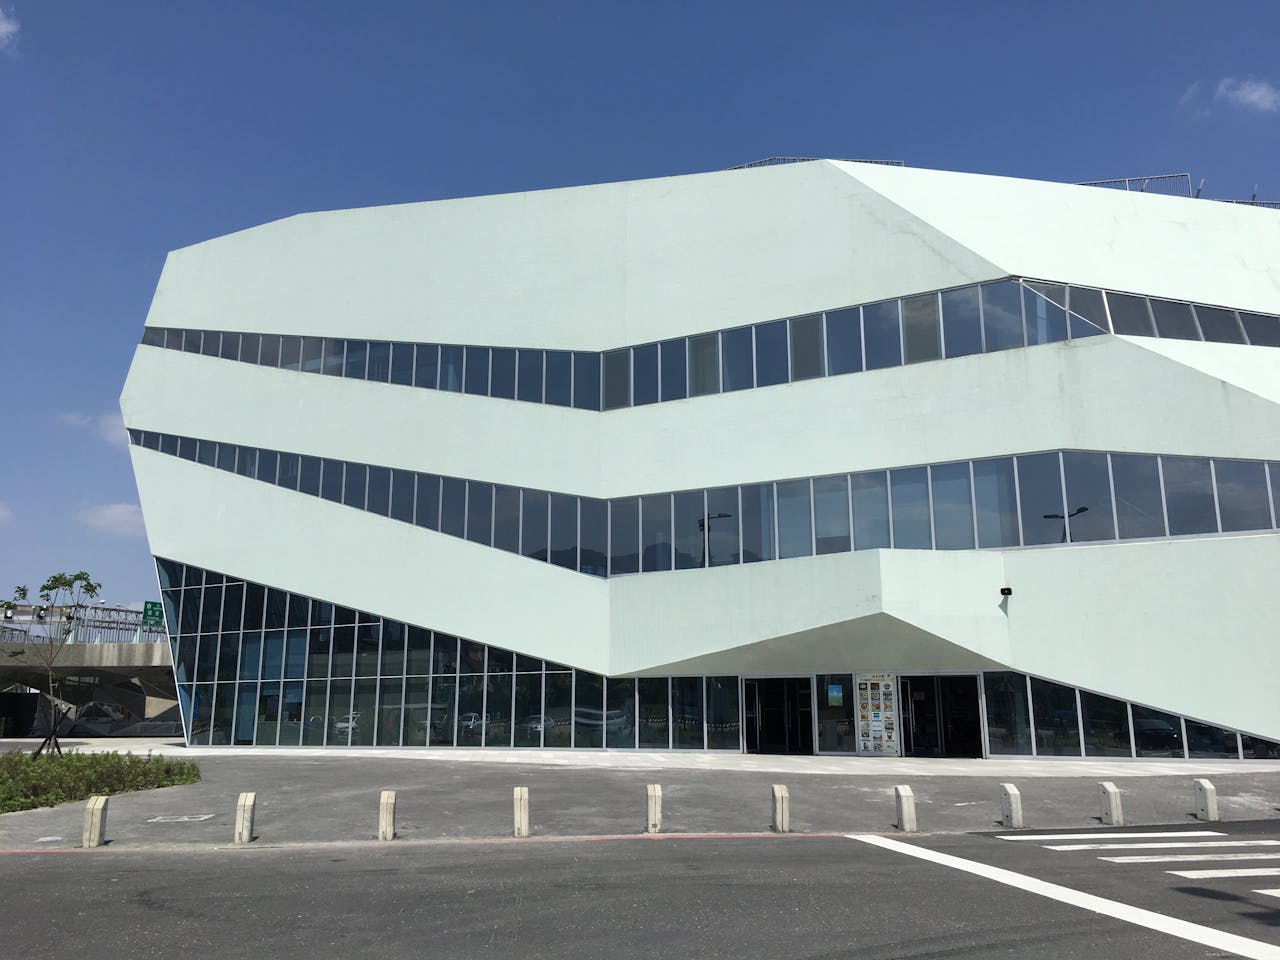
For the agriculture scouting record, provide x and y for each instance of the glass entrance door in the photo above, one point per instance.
(940, 716)
(779, 715)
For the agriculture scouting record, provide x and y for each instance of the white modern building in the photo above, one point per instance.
(816, 457)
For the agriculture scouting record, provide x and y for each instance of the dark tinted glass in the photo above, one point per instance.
(379, 362)
(909, 489)
(558, 378)
(1204, 740)
(288, 475)
(1088, 316)
(331, 480)
(533, 526)
(1263, 331)
(226, 457)
(686, 713)
(795, 526)
(502, 376)
(334, 357)
(644, 374)
(1002, 315)
(312, 354)
(506, 518)
(379, 491)
(564, 531)
(1242, 495)
(1219, 326)
(624, 536)
(250, 345)
(268, 460)
(921, 329)
(269, 350)
(529, 376)
(690, 524)
(1174, 320)
(1088, 497)
(357, 353)
(1057, 726)
(230, 349)
(1008, 713)
(881, 335)
(870, 510)
(1106, 725)
(593, 536)
(653, 712)
(758, 542)
(426, 507)
(453, 506)
(722, 526)
(675, 367)
(620, 713)
(961, 322)
(586, 380)
(996, 499)
(480, 512)
(309, 476)
(617, 379)
(402, 496)
(207, 452)
(722, 714)
(426, 365)
(211, 344)
(844, 341)
(1156, 734)
(188, 447)
(247, 461)
(588, 709)
(771, 353)
(1130, 315)
(655, 532)
(1188, 496)
(1046, 315)
(402, 363)
(952, 506)
(736, 364)
(451, 359)
(153, 336)
(1040, 493)
(704, 364)
(831, 514)
(477, 371)
(169, 445)
(807, 359)
(1139, 511)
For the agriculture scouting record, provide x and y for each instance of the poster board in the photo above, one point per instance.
(877, 703)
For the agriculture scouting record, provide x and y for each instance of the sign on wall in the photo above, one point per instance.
(877, 714)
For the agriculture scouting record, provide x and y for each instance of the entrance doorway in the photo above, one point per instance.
(779, 715)
(940, 716)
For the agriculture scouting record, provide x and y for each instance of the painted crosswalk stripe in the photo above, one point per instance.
(1226, 874)
(1110, 835)
(1173, 926)
(1269, 893)
(1162, 845)
(1192, 857)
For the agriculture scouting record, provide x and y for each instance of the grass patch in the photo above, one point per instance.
(27, 783)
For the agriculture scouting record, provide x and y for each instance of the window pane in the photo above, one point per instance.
(1139, 510)
(586, 380)
(502, 376)
(226, 456)
(1204, 740)
(644, 380)
(961, 322)
(451, 368)
(334, 357)
(722, 714)
(593, 536)
(269, 352)
(920, 328)
(996, 498)
(1174, 320)
(620, 713)
(675, 370)
(480, 512)
(1262, 331)
(654, 704)
(379, 362)
(1106, 726)
(844, 341)
(558, 378)
(1088, 312)
(757, 523)
(1057, 730)
(831, 514)
(309, 477)
(534, 530)
(881, 336)
(1242, 495)
(771, 353)
(426, 507)
(806, 348)
(736, 360)
(497, 711)
(470, 725)
(529, 719)
(910, 492)
(1129, 315)
(426, 368)
(207, 452)
(1002, 315)
(1188, 496)
(444, 694)
(837, 713)
(288, 475)
(655, 532)
(1008, 713)
(476, 379)
(529, 382)
(690, 521)
(617, 379)
(1156, 734)
(624, 536)
(402, 363)
(506, 518)
(230, 349)
(1040, 491)
(795, 529)
(564, 531)
(356, 354)
(1219, 326)
(1046, 316)
(870, 510)
(588, 709)
(1088, 497)
(402, 496)
(952, 506)
(379, 491)
(686, 712)
(557, 730)
(704, 364)
(453, 506)
(722, 526)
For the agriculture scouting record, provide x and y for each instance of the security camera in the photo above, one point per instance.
(1006, 591)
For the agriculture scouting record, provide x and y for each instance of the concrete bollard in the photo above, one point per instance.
(1010, 806)
(520, 797)
(1112, 812)
(906, 801)
(653, 822)
(244, 817)
(1206, 800)
(95, 823)
(387, 815)
(781, 809)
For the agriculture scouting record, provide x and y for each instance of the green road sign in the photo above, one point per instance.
(152, 614)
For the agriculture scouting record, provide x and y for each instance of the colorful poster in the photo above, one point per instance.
(877, 714)
(835, 695)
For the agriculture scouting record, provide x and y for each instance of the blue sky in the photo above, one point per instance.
(128, 129)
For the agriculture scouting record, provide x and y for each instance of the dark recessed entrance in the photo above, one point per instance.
(940, 717)
(779, 715)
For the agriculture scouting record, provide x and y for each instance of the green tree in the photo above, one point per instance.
(64, 594)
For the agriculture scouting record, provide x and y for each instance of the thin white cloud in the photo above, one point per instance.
(116, 519)
(9, 29)
(5, 513)
(1251, 94)
(108, 426)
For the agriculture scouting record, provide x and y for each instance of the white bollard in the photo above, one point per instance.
(906, 801)
(520, 799)
(244, 817)
(95, 823)
(653, 793)
(387, 815)
(1010, 806)
(1206, 800)
(1112, 812)
(781, 809)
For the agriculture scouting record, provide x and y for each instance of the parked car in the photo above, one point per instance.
(346, 724)
(537, 723)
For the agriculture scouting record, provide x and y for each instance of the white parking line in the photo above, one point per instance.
(1191, 857)
(1194, 932)
(1226, 874)
(1162, 846)
(1111, 835)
